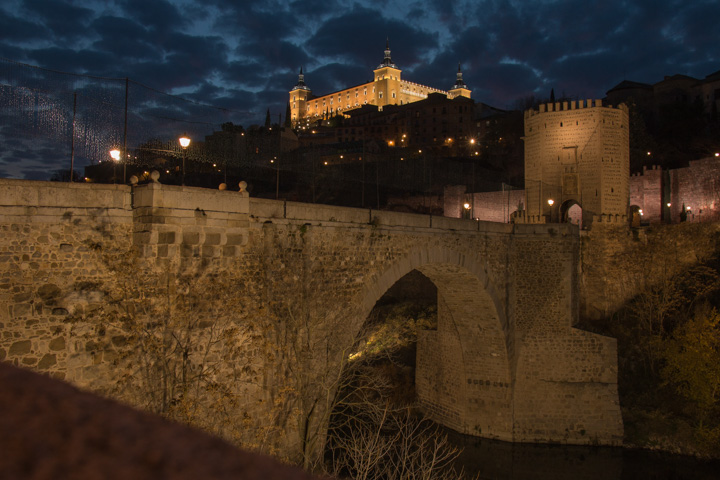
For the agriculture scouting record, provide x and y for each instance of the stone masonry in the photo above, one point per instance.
(288, 286)
(576, 152)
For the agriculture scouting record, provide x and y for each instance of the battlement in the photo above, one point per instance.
(524, 218)
(407, 84)
(609, 219)
(655, 169)
(569, 106)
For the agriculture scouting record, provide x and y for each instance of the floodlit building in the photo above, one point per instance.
(386, 88)
(577, 162)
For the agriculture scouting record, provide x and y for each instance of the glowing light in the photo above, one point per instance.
(717, 154)
(115, 155)
(325, 163)
(688, 208)
(640, 212)
(551, 202)
(184, 141)
(669, 204)
(472, 141)
(467, 206)
(649, 153)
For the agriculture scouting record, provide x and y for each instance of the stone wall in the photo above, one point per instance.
(257, 304)
(484, 206)
(696, 188)
(646, 192)
(618, 263)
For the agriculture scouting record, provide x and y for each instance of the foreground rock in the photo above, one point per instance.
(51, 430)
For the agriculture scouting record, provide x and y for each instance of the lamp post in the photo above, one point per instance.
(184, 143)
(115, 155)
(551, 202)
(277, 177)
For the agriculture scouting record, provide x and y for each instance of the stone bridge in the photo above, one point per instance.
(297, 282)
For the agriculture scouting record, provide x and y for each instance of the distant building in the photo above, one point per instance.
(387, 88)
(690, 193)
(672, 89)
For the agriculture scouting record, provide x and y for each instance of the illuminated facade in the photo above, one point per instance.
(387, 88)
(577, 153)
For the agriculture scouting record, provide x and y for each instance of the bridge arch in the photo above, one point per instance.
(463, 369)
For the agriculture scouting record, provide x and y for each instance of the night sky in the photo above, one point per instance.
(245, 55)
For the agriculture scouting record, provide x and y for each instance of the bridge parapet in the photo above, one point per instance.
(172, 221)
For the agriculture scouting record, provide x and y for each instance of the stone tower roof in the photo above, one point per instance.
(300, 85)
(459, 83)
(387, 61)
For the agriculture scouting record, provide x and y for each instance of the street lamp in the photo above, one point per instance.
(184, 143)
(115, 155)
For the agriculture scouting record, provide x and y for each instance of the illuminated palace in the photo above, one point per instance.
(387, 88)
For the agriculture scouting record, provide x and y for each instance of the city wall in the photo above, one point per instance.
(96, 281)
(695, 188)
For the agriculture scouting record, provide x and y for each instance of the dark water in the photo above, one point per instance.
(491, 459)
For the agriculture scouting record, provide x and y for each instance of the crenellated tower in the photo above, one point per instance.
(577, 153)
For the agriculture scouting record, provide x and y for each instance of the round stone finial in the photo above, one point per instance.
(222, 186)
(155, 175)
(243, 186)
(134, 180)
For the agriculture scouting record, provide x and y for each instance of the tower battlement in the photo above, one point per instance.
(567, 106)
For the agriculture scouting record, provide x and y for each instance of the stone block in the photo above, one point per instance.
(20, 348)
(48, 360)
(236, 239)
(212, 239)
(166, 237)
(191, 238)
(57, 343)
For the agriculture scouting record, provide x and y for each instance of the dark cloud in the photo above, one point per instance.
(253, 22)
(70, 60)
(274, 53)
(16, 29)
(61, 18)
(159, 16)
(125, 39)
(358, 37)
